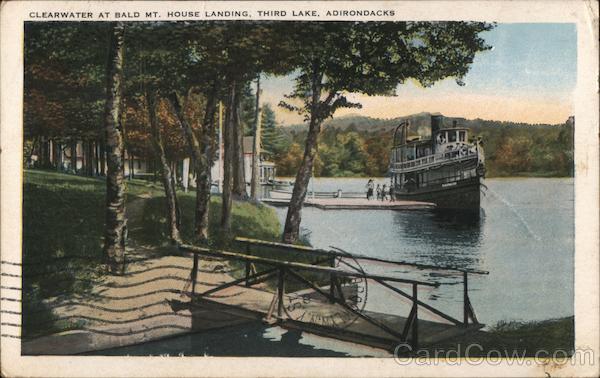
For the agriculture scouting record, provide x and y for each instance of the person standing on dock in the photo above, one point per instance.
(370, 187)
(384, 192)
(378, 190)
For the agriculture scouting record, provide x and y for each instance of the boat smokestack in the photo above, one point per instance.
(436, 124)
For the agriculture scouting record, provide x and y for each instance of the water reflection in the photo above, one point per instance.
(249, 339)
(442, 238)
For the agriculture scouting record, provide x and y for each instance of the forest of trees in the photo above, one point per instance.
(155, 89)
(356, 146)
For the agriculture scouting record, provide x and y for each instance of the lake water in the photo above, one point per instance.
(524, 238)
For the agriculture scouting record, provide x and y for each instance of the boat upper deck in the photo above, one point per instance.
(424, 162)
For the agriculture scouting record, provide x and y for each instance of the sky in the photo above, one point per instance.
(529, 75)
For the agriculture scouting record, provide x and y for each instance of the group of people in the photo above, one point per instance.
(383, 192)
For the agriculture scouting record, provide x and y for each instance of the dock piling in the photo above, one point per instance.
(465, 299)
(332, 281)
(415, 327)
(280, 292)
(194, 274)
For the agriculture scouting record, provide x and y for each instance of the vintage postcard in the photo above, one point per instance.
(218, 188)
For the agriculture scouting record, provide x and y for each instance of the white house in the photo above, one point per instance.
(139, 167)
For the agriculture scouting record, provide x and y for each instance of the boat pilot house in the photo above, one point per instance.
(446, 169)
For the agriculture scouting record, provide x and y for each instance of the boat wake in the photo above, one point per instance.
(516, 213)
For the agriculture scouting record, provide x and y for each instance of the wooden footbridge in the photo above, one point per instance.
(325, 291)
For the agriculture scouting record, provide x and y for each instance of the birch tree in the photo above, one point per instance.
(116, 225)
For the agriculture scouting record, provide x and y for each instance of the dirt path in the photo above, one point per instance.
(147, 303)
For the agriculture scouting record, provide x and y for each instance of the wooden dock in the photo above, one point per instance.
(250, 303)
(354, 204)
(321, 305)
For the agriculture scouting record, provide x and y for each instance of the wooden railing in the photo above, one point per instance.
(322, 262)
(282, 269)
(468, 311)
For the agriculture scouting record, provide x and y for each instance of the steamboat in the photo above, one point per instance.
(447, 169)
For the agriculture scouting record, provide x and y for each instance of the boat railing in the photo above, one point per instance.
(453, 155)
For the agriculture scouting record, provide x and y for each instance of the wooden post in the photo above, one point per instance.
(247, 273)
(280, 289)
(332, 281)
(415, 327)
(247, 265)
(194, 273)
(220, 176)
(465, 300)
(255, 180)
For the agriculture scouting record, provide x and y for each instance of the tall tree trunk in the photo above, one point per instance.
(96, 158)
(74, 156)
(48, 153)
(204, 176)
(85, 157)
(201, 153)
(126, 164)
(239, 174)
(102, 157)
(51, 160)
(44, 158)
(173, 220)
(255, 181)
(291, 230)
(228, 157)
(116, 224)
(57, 155)
(89, 158)
(30, 152)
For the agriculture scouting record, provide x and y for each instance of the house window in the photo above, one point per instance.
(461, 136)
(452, 137)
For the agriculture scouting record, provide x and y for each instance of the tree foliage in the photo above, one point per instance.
(187, 67)
(372, 58)
(510, 148)
(64, 78)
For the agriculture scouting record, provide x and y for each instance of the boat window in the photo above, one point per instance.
(452, 137)
(461, 136)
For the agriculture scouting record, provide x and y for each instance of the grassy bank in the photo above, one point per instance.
(516, 339)
(491, 173)
(63, 224)
(248, 220)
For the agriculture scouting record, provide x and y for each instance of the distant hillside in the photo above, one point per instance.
(359, 146)
(420, 123)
